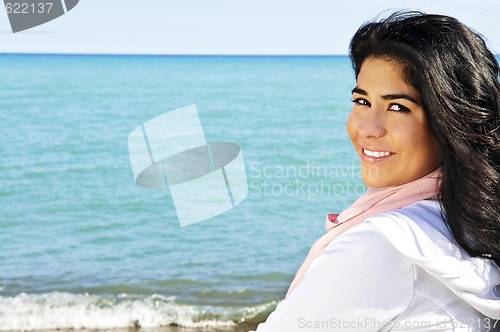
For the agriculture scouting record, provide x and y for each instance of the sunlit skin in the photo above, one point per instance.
(388, 127)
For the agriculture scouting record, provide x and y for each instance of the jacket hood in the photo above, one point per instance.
(419, 232)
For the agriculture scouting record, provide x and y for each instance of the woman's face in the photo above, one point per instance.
(388, 127)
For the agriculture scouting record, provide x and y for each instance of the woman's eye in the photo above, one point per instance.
(399, 108)
(361, 101)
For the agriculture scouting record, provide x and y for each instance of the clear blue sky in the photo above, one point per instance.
(226, 26)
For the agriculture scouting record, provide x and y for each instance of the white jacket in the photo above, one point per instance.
(398, 271)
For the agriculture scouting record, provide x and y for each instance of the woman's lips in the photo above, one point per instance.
(372, 155)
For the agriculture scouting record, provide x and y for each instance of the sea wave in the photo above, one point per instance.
(58, 310)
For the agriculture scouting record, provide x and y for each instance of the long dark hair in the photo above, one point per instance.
(457, 77)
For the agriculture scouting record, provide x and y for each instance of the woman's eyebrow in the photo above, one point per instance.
(391, 96)
(400, 96)
(359, 91)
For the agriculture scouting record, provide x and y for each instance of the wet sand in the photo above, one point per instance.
(239, 328)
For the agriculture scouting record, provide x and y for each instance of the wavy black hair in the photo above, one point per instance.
(457, 77)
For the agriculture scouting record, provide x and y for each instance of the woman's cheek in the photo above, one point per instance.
(352, 128)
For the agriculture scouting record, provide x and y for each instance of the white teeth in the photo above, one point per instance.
(376, 154)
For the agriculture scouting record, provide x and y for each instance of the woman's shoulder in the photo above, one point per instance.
(410, 227)
(418, 229)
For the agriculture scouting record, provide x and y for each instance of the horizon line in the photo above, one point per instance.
(177, 54)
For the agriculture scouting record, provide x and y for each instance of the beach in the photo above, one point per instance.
(242, 328)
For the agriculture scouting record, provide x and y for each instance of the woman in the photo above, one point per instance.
(421, 249)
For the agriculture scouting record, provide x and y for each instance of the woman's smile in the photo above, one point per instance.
(375, 155)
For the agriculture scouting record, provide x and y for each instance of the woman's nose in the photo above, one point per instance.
(371, 124)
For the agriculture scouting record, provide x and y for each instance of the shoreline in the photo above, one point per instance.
(171, 328)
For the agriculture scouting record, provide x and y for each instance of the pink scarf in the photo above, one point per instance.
(374, 202)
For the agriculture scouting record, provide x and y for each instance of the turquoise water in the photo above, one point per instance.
(82, 246)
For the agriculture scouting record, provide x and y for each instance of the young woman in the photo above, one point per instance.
(421, 249)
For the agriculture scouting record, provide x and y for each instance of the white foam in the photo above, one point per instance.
(77, 311)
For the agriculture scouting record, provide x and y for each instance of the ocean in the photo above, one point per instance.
(83, 247)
